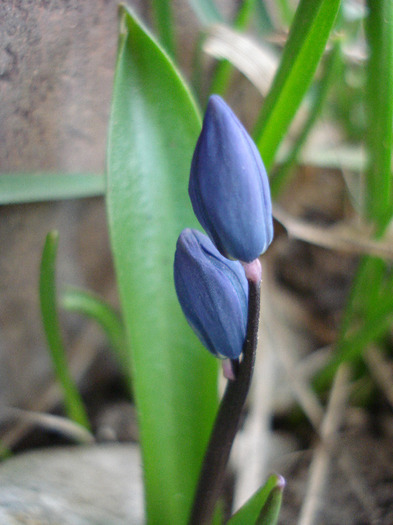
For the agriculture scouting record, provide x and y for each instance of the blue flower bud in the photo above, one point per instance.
(229, 187)
(213, 293)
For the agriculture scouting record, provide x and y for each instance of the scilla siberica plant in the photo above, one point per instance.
(230, 195)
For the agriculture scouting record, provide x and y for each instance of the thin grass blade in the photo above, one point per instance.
(281, 176)
(307, 40)
(379, 110)
(72, 399)
(89, 305)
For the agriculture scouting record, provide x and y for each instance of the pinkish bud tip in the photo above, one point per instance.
(253, 270)
(280, 483)
(227, 369)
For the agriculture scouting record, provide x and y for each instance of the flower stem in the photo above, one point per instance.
(228, 418)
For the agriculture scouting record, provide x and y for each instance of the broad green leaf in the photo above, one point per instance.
(306, 42)
(86, 303)
(36, 187)
(153, 130)
(379, 108)
(73, 402)
(263, 507)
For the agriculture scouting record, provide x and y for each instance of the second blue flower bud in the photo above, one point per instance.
(213, 293)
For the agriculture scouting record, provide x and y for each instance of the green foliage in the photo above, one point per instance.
(305, 45)
(379, 110)
(369, 311)
(34, 187)
(87, 304)
(153, 130)
(73, 402)
(263, 507)
(281, 176)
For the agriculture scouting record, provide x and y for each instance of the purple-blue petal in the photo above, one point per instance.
(229, 187)
(213, 293)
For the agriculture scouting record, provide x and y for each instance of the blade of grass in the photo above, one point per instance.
(19, 188)
(153, 130)
(368, 266)
(370, 304)
(351, 348)
(87, 304)
(306, 42)
(72, 399)
(281, 176)
(286, 12)
(162, 12)
(379, 108)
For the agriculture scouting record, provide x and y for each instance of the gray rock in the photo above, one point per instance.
(97, 485)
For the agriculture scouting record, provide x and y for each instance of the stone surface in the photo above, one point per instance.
(57, 60)
(97, 485)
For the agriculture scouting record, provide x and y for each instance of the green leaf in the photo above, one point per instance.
(285, 11)
(379, 108)
(284, 171)
(271, 510)
(263, 507)
(73, 401)
(153, 130)
(306, 42)
(86, 303)
(368, 316)
(36, 187)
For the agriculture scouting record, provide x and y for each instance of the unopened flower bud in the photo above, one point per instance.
(213, 293)
(229, 187)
